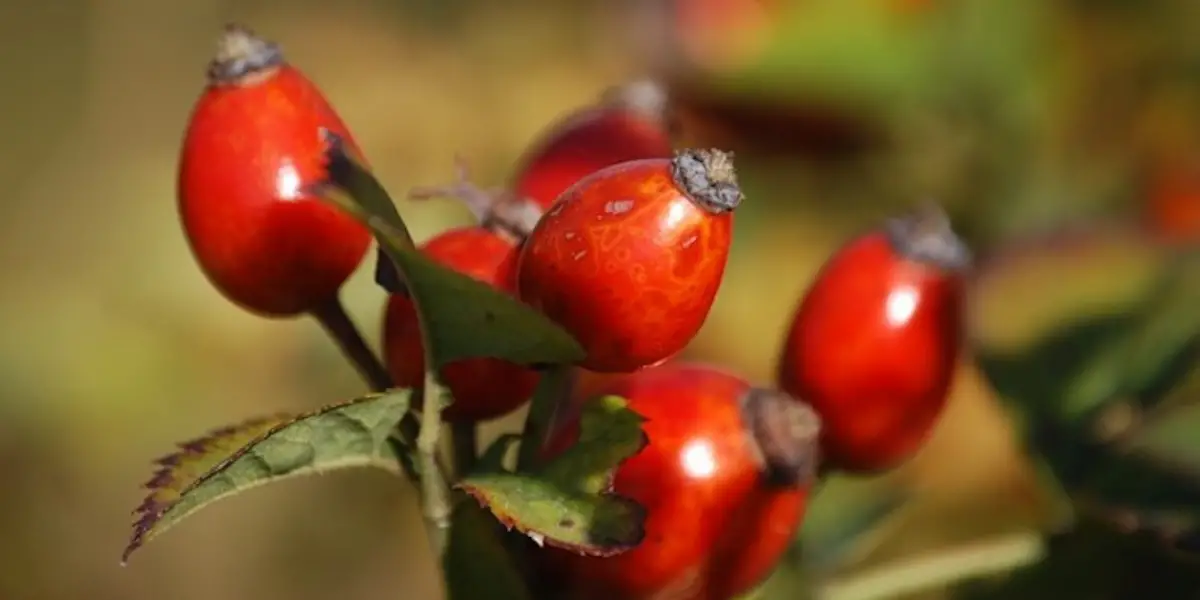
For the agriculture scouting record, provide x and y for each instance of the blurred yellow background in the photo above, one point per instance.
(115, 347)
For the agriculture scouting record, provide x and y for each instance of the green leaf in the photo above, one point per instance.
(551, 396)
(1138, 353)
(568, 502)
(234, 459)
(787, 582)
(1105, 403)
(843, 520)
(1171, 437)
(1093, 561)
(476, 563)
(461, 317)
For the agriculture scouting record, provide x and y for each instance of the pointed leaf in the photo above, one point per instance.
(234, 459)
(568, 502)
(461, 317)
(1101, 402)
(1171, 437)
(476, 562)
(1138, 353)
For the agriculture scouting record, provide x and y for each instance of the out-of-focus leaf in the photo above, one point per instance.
(1037, 380)
(843, 520)
(568, 503)
(787, 582)
(870, 54)
(237, 458)
(1138, 354)
(1092, 562)
(1171, 438)
(1100, 401)
(1144, 362)
(461, 317)
(936, 570)
(477, 563)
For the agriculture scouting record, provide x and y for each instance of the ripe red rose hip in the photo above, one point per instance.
(628, 124)
(875, 340)
(483, 388)
(724, 479)
(1173, 204)
(251, 147)
(630, 258)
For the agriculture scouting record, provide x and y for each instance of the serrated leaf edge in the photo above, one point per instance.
(148, 517)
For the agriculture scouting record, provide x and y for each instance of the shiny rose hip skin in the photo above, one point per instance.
(483, 388)
(252, 145)
(628, 124)
(874, 342)
(724, 479)
(630, 258)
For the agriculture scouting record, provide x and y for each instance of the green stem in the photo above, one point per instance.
(553, 392)
(435, 493)
(465, 439)
(334, 320)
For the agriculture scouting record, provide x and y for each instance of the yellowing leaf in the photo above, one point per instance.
(240, 457)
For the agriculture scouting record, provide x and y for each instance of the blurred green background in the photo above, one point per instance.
(1073, 120)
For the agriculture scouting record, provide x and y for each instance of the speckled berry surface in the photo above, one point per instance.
(628, 263)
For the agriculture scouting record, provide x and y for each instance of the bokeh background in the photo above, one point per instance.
(1068, 126)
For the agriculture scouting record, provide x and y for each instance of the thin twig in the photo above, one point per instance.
(465, 438)
(334, 320)
(337, 323)
(937, 570)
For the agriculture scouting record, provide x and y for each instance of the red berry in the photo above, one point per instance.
(630, 258)
(1173, 205)
(628, 125)
(875, 340)
(483, 388)
(724, 479)
(251, 147)
(630, 122)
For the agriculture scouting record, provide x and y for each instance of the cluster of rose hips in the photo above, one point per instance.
(622, 240)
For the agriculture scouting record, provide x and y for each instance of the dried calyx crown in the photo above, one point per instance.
(241, 54)
(926, 236)
(784, 432)
(707, 176)
(496, 209)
